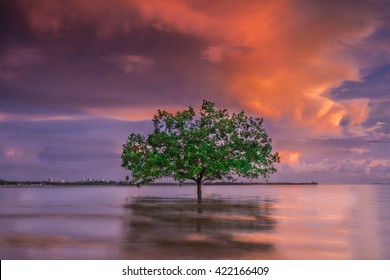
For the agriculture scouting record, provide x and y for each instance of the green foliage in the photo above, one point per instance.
(212, 146)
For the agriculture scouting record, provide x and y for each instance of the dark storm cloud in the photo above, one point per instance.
(14, 28)
(129, 73)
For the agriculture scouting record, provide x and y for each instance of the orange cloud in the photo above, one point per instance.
(125, 114)
(290, 156)
(297, 53)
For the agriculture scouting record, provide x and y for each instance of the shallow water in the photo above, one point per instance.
(165, 222)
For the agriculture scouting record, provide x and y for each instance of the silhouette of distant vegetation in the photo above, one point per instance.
(124, 183)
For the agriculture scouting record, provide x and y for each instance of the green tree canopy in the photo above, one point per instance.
(212, 146)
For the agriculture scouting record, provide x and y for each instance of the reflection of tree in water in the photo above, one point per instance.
(175, 228)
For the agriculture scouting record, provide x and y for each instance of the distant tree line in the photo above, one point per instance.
(124, 183)
(57, 183)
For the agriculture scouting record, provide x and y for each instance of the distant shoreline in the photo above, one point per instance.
(240, 183)
(124, 183)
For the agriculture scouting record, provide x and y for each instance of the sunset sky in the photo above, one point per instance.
(77, 76)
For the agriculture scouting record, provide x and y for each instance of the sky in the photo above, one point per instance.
(78, 76)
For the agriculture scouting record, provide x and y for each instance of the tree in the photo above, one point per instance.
(212, 146)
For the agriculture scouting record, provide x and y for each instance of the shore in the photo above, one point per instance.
(124, 183)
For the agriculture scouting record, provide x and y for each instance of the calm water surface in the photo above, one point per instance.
(164, 222)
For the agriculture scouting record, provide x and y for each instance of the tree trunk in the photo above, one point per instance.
(199, 192)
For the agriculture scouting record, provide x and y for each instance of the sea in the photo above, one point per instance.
(275, 222)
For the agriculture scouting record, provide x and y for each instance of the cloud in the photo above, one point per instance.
(131, 64)
(300, 54)
(289, 156)
(125, 114)
(380, 169)
(57, 18)
(280, 58)
(77, 153)
(364, 169)
(352, 166)
(16, 61)
(64, 149)
(218, 54)
(134, 64)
